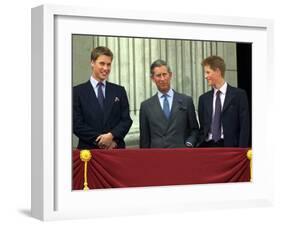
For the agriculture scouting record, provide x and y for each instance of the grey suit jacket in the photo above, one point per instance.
(156, 131)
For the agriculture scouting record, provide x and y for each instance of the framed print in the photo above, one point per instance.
(53, 30)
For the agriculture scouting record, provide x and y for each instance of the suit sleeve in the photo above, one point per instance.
(244, 120)
(80, 128)
(122, 128)
(144, 129)
(194, 128)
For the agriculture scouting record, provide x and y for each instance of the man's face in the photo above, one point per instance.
(162, 78)
(212, 76)
(101, 67)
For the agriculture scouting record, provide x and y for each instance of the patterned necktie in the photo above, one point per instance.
(100, 94)
(166, 107)
(216, 125)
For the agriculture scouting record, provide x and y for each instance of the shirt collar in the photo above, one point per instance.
(222, 89)
(95, 82)
(170, 93)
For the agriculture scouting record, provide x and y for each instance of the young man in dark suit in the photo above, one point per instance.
(167, 119)
(223, 112)
(100, 109)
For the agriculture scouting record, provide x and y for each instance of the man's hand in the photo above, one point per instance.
(105, 140)
(112, 146)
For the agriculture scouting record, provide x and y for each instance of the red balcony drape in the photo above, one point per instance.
(156, 167)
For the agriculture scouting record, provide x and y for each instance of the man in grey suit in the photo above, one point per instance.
(167, 119)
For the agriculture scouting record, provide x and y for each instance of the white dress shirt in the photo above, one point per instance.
(94, 83)
(170, 97)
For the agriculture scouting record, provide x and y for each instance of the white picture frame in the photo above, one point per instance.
(52, 197)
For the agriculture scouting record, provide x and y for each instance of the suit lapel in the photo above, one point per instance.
(156, 107)
(174, 105)
(228, 97)
(158, 114)
(109, 100)
(177, 102)
(93, 100)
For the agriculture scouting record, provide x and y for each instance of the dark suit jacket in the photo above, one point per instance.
(89, 121)
(235, 117)
(156, 131)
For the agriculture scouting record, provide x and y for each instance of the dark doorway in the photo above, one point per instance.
(244, 75)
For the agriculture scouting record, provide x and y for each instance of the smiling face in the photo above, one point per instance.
(213, 77)
(162, 78)
(101, 67)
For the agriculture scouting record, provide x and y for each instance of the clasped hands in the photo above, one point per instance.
(105, 141)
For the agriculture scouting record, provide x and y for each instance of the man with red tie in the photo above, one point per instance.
(223, 112)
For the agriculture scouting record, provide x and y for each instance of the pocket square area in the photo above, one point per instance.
(182, 108)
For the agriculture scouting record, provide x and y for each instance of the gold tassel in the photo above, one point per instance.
(85, 156)
(249, 156)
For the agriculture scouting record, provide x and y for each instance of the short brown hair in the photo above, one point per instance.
(101, 50)
(215, 62)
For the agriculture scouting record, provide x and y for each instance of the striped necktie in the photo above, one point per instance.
(100, 95)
